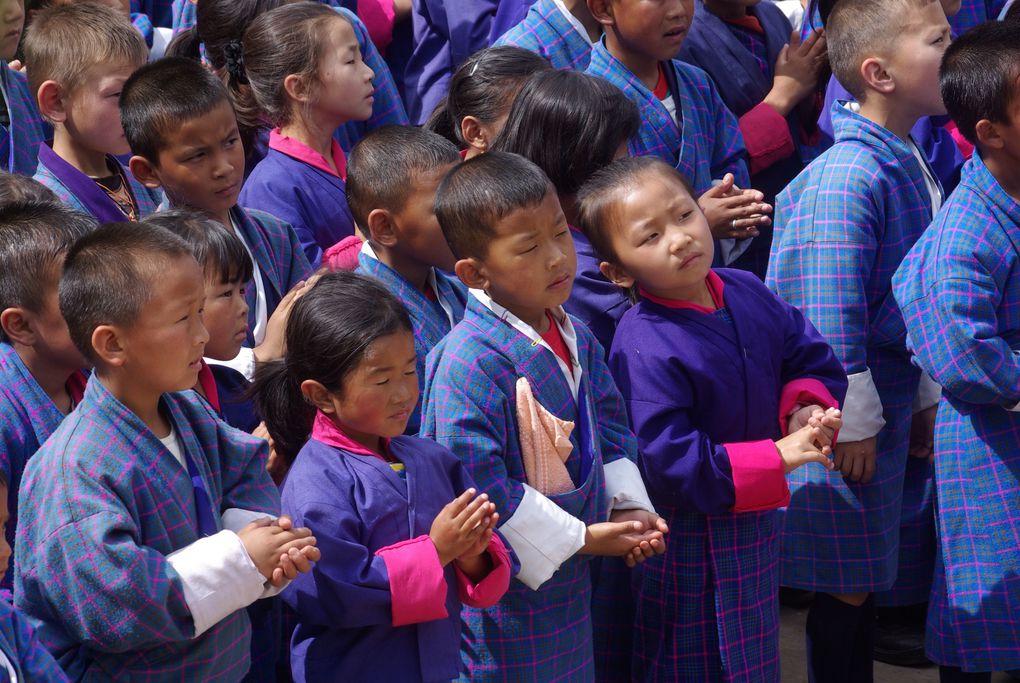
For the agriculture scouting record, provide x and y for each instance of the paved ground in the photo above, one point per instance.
(791, 643)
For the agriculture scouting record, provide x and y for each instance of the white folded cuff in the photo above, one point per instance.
(625, 489)
(862, 409)
(543, 535)
(218, 576)
(928, 393)
(243, 362)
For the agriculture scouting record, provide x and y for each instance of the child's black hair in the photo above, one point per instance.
(328, 333)
(160, 97)
(17, 189)
(597, 198)
(385, 163)
(482, 191)
(484, 86)
(591, 118)
(218, 250)
(35, 236)
(980, 76)
(109, 275)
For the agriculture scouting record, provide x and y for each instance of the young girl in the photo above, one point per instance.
(405, 537)
(304, 68)
(728, 388)
(593, 121)
(480, 95)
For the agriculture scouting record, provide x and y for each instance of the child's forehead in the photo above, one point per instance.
(197, 130)
(527, 219)
(94, 74)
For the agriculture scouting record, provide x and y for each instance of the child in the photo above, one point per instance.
(384, 605)
(22, 656)
(41, 377)
(522, 394)
(22, 130)
(683, 120)
(16, 189)
(155, 491)
(844, 225)
(394, 173)
(561, 31)
(79, 56)
(480, 95)
(227, 271)
(181, 127)
(304, 68)
(593, 121)
(959, 291)
(712, 448)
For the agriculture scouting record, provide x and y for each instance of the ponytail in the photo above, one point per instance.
(441, 123)
(281, 405)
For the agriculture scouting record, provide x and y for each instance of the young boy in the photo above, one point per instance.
(722, 381)
(181, 126)
(843, 227)
(959, 290)
(392, 178)
(22, 130)
(41, 377)
(683, 120)
(504, 390)
(78, 57)
(562, 31)
(155, 491)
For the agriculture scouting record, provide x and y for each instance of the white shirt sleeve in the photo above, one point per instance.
(543, 535)
(862, 409)
(625, 490)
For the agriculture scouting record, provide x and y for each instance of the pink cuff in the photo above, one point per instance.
(490, 589)
(378, 18)
(799, 393)
(343, 255)
(766, 136)
(417, 584)
(759, 482)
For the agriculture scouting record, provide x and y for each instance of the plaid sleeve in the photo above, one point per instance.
(34, 660)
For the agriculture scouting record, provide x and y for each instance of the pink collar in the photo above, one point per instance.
(208, 383)
(715, 289)
(326, 431)
(298, 150)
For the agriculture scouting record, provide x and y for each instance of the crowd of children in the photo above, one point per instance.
(508, 340)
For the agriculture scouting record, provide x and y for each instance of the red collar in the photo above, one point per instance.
(298, 150)
(662, 85)
(327, 431)
(749, 22)
(208, 384)
(715, 289)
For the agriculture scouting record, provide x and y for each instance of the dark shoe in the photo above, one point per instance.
(795, 597)
(899, 641)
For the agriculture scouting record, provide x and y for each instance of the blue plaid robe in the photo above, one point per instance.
(428, 318)
(92, 543)
(160, 12)
(546, 32)
(470, 407)
(959, 289)
(974, 12)
(144, 26)
(19, 142)
(81, 193)
(692, 382)
(31, 662)
(842, 228)
(710, 145)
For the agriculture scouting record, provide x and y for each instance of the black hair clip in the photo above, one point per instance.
(234, 54)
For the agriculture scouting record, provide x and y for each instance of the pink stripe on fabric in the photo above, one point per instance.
(417, 583)
(298, 150)
(327, 431)
(759, 482)
(490, 589)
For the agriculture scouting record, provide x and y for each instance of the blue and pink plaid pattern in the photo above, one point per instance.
(843, 227)
(19, 142)
(974, 12)
(959, 290)
(546, 32)
(103, 503)
(710, 144)
(23, 650)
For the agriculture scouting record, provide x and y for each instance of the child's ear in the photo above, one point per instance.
(296, 88)
(875, 76)
(18, 325)
(602, 10)
(988, 134)
(106, 342)
(471, 272)
(381, 229)
(474, 134)
(144, 171)
(317, 395)
(51, 102)
(617, 275)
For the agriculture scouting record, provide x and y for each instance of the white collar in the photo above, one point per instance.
(574, 21)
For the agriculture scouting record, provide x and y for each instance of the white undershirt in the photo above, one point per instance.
(574, 21)
(934, 192)
(173, 445)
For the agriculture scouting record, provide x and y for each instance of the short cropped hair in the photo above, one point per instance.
(109, 275)
(385, 163)
(597, 200)
(980, 76)
(16, 188)
(34, 238)
(481, 192)
(859, 29)
(218, 250)
(160, 97)
(64, 41)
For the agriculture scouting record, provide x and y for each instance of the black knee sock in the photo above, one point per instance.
(952, 674)
(862, 664)
(833, 644)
